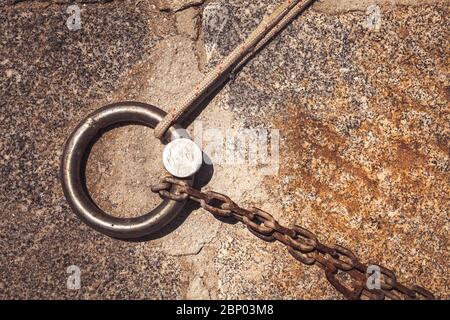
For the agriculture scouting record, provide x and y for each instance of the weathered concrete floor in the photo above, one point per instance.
(364, 122)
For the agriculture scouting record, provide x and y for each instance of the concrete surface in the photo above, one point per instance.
(362, 108)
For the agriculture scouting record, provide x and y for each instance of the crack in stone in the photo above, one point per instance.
(197, 252)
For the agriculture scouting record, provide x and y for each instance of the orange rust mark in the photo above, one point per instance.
(300, 128)
(407, 158)
(325, 191)
(401, 100)
(333, 156)
(299, 134)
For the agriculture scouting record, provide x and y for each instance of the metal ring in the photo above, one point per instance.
(74, 187)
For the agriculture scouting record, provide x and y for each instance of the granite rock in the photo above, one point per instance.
(360, 98)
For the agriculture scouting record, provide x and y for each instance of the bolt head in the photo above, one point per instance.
(182, 158)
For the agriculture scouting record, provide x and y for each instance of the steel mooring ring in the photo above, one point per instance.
(74, 186)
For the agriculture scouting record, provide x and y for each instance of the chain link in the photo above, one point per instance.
(341, 266)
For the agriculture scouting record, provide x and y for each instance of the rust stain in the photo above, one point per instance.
(304, 135)
(395, 194)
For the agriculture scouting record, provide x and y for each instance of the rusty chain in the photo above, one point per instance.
(337, 261)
